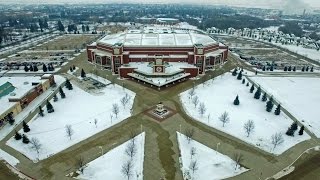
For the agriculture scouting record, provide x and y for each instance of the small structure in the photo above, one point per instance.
(160, 110)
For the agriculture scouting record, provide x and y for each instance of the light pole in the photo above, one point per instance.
(101, 150)
(217, 147)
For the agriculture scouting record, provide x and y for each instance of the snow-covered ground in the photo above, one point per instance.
(309, 53)
(109, 165)
(299, 95)
(218, 96)
(210, 163)
(80, 110)
(8, 158)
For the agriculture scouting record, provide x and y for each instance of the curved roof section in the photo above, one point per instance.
(162, 37)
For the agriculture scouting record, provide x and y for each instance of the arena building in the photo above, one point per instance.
(158, 55)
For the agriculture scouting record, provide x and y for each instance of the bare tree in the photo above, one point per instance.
(202, 109)
(224, 118)
(193, 166)
(189, 132)
(115, 109)
(127, 169)
(36, 145)
(248, 127)
(238, 158)
(95, 122)
(193, 151)
(195, 101)
(191, 92)
(131, 149)
(124, 100)
(133, 135)
(69, 131)
(276, 139)
(80, 164)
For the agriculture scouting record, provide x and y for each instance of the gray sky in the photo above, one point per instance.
(279, 4)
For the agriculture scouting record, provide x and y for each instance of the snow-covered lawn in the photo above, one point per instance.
(299, 95)
(309, 53)
(8, 158)
(109, 166)
(210, 163)
(218, 97)
(80, 110)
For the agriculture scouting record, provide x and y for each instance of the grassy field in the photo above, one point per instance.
(5, 173)
(68, 42)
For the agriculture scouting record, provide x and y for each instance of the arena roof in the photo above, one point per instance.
(154, 36)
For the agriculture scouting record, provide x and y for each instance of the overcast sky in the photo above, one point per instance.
(280, 4)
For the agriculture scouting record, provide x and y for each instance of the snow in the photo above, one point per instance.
(309, 53)
(98, 78)
(6, 129)
(299, 95)
(172, 67)
(110, 164)
(218, 96)
(79, 109)
(210, 162)
(8, 158)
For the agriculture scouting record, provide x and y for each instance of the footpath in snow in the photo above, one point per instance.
(210, 164)
(299, 95)
(84, 113)
(111, 164)
(218, 95)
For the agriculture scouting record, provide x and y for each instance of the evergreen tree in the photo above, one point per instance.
(307, 69)
(289, 69)
(285, 68)
(294, 69)
(62, 93)
(278, 110)
(290, 132)
(35, 68)
(83, 74)
(70, 69)
(294, 126)
(311, 70)
(68, 85)
(60, 26)
(55, 98)
(234, 73)
(30, 68)
(49, 107)
(41, 111)
(73, 67)
(243, 81)
(269, 105)
(17, 136)
(10, 118)
(252, 89)
(236, 101)
(247, 84)
(264, 97)
(239, 77)
(26, 69)
(25, 139)
(302, 69)
(25, 127)
(44, 68)
(258, 93)
(271, 68)
(264, 68)
(301, 130)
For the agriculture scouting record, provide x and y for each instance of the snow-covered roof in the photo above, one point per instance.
(22, 86)
(158, 36)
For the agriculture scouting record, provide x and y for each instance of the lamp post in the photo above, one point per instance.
(101, 150)
(217, 147)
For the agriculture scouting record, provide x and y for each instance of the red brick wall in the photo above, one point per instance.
(193, 71)
(123, 72)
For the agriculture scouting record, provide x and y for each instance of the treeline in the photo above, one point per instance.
(292, 28)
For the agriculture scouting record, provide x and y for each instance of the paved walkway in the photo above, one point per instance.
(161, 147)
